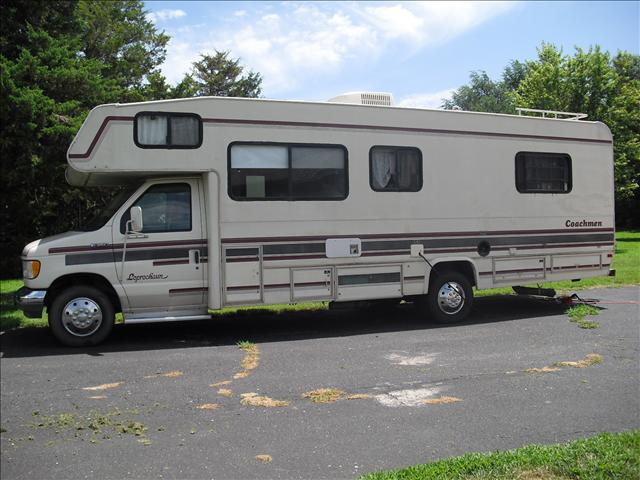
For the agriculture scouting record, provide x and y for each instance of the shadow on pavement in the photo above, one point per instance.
(261, 326)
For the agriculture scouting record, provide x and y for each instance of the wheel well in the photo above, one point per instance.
(92, 279)
(461, 266)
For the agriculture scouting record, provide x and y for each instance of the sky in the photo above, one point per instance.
(418, 51)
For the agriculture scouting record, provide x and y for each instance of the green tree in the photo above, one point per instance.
(118, 34)
(218, 75)
(486, 95)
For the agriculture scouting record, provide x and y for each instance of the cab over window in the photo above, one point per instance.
(167, 130)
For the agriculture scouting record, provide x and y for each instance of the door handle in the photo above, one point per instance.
(194, 256)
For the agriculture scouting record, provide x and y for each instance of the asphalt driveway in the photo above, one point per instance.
(143, 406)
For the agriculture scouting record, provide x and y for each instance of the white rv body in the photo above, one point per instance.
(467, 215)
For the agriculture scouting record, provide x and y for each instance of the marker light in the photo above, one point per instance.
(30, 269)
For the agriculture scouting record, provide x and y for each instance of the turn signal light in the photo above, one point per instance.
(31, 269)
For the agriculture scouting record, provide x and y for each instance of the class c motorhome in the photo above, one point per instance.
(230, 202)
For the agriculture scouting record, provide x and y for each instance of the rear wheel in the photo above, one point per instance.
(81, 316)
(450, 297)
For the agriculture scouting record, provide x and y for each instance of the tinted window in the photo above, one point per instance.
(395, 169)
(318, 173)
(287, 172)
(538, 172)
(165, 208)
(167, 130)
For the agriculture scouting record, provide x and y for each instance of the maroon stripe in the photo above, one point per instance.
(521, 270)
(293, 257)
(97, 136)
(277, 285)
(562, 245)
(243, 287)
(548, 269)
(170, 262)
(415, 235)
(575, 267)
(241, 259)
(390, 253)
(398, 129)
(119, 246)
(310, 284)
(188, 290)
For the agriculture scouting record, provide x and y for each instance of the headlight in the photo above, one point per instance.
(30, 269)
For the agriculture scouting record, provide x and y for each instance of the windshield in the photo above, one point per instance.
(104, 215)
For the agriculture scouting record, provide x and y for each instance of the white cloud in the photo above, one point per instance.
(311, 41)
(426, 100)
(164, 15)
(180, 56)
(421, 24)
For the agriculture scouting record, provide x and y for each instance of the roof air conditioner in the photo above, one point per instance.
(380, 99)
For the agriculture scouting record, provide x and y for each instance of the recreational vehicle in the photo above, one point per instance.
(230, 202)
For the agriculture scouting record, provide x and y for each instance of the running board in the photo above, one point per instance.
(166, 319)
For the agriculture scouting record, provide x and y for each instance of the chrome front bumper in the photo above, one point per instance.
(31, 302)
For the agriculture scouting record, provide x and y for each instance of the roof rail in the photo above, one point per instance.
(550, 114)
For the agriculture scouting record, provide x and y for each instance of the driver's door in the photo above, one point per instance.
(162, 267)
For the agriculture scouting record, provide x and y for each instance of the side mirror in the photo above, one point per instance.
(136, 219)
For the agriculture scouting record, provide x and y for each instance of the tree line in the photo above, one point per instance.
(59, 59)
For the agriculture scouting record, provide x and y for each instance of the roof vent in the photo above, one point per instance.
(380, 99)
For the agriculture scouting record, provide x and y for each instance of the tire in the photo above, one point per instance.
(81, 316)
(450, 297)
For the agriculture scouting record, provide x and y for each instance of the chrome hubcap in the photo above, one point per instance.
(81, 317)
(451, 298)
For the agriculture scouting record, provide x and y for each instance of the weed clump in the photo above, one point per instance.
(324, 395)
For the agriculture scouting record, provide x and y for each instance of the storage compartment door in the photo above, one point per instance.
(242, 275)
(311, 284)
(370, 282)
(518, 269)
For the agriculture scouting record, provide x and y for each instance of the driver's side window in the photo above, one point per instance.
(165, 207)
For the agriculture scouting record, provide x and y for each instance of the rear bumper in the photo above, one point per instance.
(31, 302)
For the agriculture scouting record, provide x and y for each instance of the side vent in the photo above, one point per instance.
(380, 99)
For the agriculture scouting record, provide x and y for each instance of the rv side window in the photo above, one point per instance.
(167, 130)
(538, 172)
(287, 172)
(166, 207)
(395, 169)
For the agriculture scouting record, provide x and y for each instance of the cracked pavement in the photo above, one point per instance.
(154, 378)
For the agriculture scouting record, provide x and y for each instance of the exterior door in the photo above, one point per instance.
(162, 267)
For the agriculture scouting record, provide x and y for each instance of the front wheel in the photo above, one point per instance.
(450, 297)
(81, 316)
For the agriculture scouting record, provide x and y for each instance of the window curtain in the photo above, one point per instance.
(152, 129)
(383, 168)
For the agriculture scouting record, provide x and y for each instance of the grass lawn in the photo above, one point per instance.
(10, 316)
(626, 262)
(605, 456)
